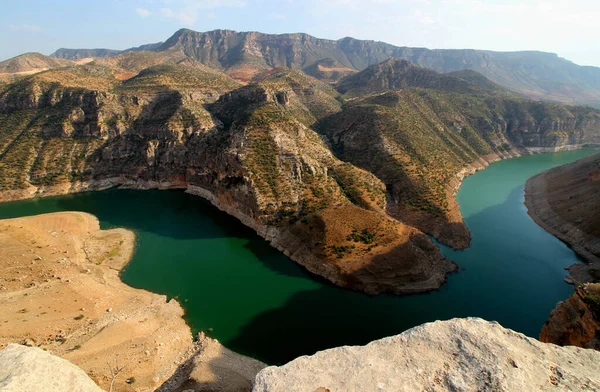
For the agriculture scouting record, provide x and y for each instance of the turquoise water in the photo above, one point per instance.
(258, 302)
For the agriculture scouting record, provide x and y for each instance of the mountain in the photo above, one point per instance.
(77, 54)
(421, 142)
(537, 75)
(395, 74)
(347, 179)
(30, 63)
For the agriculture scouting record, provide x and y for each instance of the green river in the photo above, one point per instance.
(258, 302)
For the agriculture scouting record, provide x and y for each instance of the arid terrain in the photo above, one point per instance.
(60, 290)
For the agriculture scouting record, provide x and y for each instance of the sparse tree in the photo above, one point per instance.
(114, 372)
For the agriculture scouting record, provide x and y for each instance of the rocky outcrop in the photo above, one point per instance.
(324, 198)
(252, 154)
(459, 354)
(576, 321)
(396, 74)
(24, 369)
(564, 201)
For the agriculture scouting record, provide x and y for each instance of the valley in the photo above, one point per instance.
(285, 194)
(188, 250)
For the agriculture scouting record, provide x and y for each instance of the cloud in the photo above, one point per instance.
(187, 12)
(25, 27)
(142, 12)
(185, 17)
(211, 4)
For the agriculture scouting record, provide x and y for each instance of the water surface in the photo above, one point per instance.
(258, 302)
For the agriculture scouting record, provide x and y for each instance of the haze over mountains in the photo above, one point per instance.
(536, 75)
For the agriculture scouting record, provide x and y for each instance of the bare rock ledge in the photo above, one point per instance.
(33, 369)
(456, 355)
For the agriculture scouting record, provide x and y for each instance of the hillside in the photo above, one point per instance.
(420, 142)
(478, 80)
(319, 176)
(396, 74)
(564, 201)
(29, 63)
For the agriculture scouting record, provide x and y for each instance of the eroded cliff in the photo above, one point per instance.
(345, 188)
(576, 321)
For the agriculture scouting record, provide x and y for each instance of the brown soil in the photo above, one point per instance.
(396, 258)
(60, 290)
(335, 69)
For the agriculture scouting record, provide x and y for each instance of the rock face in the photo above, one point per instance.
(24, 369)
(396, 74)
(565, 201)
(244, 53)
(576, 321)
(347, 188)
(459, 355)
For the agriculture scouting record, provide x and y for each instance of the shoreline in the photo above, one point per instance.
(281, 238)
(92, 317)
(544, 215)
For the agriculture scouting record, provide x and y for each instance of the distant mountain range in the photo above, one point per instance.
(537, 75)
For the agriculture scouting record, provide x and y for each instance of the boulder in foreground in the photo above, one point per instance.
(24, 369)
(458, 355)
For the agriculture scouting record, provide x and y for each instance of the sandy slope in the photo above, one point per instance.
(60, 290)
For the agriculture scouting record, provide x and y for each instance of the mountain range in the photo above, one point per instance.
(342, 154)
(537, 75)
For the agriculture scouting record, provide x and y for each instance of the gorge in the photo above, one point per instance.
(243, 292)
(293, 194)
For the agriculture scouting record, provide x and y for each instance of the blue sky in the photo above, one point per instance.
(568, 28)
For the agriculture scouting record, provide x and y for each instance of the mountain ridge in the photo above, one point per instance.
(347, 185)
(535, 74)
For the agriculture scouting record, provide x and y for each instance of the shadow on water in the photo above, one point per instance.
(258, 302)
(516, 283)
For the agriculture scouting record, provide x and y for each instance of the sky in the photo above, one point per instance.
(566, 27)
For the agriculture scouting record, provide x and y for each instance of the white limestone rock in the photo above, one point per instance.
(456, 355)
(26, 369)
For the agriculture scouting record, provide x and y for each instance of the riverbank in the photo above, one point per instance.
(349, 271)
(564, 201)
(60, 290)
(188, 249)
